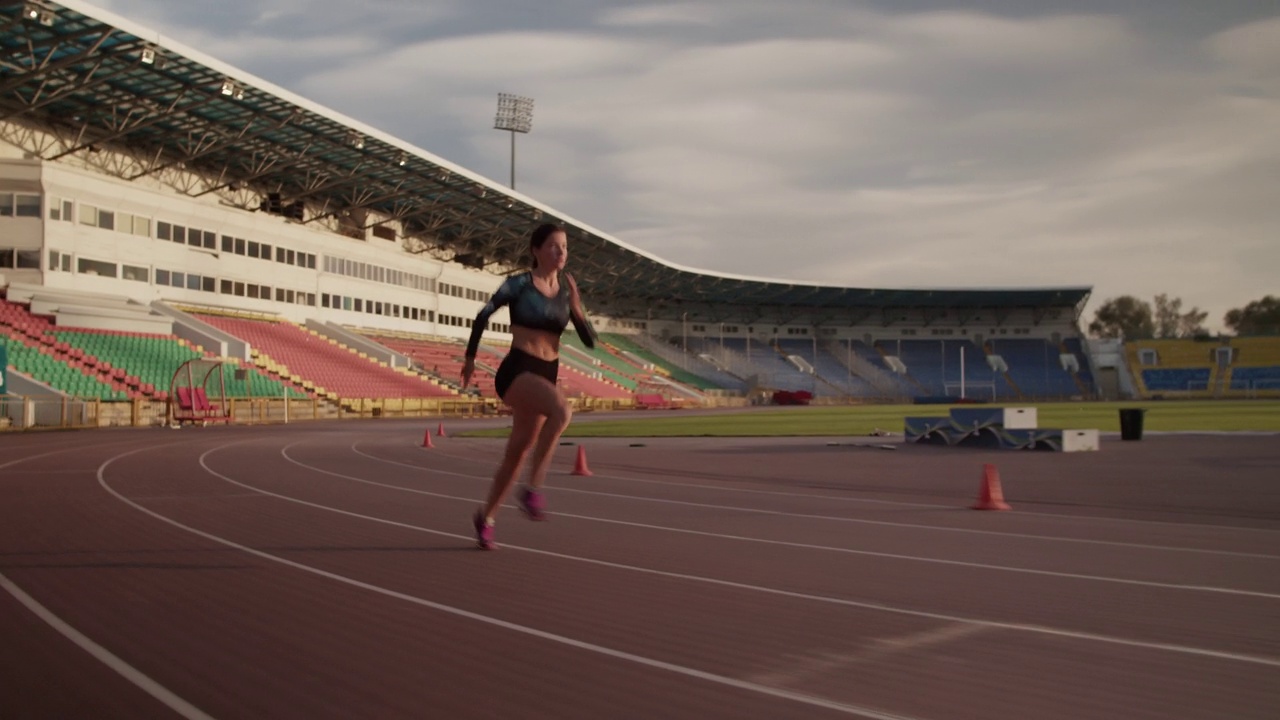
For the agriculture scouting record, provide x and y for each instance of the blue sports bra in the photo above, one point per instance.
(531, 309)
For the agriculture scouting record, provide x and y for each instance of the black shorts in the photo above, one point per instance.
(518, 361)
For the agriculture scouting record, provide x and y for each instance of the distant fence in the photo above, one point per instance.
(37, 412)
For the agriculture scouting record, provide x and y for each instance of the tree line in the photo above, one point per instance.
(1131, 318)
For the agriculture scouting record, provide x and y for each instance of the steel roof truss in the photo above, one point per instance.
(229, 141)
(48, 65)
(262, 167)
(124, 127)
(41, 96)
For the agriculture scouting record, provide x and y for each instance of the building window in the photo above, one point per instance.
(60, 209)
(86, 266)
(19, 205)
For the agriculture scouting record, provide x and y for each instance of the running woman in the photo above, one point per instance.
(542, 302)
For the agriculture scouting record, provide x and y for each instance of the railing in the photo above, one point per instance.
(20, 412)
(1260, 389)
(416, 407)
(40, 412)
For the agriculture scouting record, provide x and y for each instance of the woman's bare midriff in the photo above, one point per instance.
(538, 343)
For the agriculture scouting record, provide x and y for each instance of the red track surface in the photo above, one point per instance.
(328, 571)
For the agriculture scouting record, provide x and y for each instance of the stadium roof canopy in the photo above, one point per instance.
(96, 80)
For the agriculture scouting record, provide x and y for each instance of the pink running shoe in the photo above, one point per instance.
(484, 532)
(533, 503)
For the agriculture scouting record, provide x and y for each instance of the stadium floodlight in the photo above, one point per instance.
(355, 140)
(38, 13)
(232, 90)
(403, 159)
(515, 115)
(149, 56)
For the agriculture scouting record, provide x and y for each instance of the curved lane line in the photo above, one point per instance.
(488, 620)
(82, 641)
(1021, 627)
(914, 526)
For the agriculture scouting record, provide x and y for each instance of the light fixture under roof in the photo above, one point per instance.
(355, 140)
(37, 12)
(232, 89)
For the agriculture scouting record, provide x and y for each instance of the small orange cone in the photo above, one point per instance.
(991, 497)
(426, 439)
(580, 467)
(440, 430)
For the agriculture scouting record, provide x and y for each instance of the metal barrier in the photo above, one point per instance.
(37, 412)
(415, 407)
(23, 412)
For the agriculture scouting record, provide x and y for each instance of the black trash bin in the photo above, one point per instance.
(1131, 423)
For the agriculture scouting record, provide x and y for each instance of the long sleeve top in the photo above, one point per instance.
(531, 309)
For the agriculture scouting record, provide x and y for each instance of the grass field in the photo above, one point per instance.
(1259, 415)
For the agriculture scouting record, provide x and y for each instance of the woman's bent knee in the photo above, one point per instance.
(562, 416)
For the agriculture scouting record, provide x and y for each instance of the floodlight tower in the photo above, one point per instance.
(515, 114)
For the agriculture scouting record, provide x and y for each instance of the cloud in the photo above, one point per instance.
(656, 15)
(285, 40)
(1253, 47)
(831, 141)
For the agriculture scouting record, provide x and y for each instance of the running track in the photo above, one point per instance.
(328, 571)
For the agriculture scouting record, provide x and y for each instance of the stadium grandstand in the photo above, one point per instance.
(162, 210)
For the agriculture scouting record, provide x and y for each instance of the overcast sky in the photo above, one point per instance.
(1129, 145)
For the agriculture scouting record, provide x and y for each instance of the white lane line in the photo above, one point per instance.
(106, 657)
(838, 498)
(806, 546)
(1021, 627)
(810, 700)
(859, 521)
(68, 448)
(1037, 513)
(82, 641)
(753, 491)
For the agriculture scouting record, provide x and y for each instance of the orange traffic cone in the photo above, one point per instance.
(580, 467)
(991, 497)
(426, 439)
(440, 430)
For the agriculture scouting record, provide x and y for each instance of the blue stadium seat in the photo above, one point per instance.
(1173, 379)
